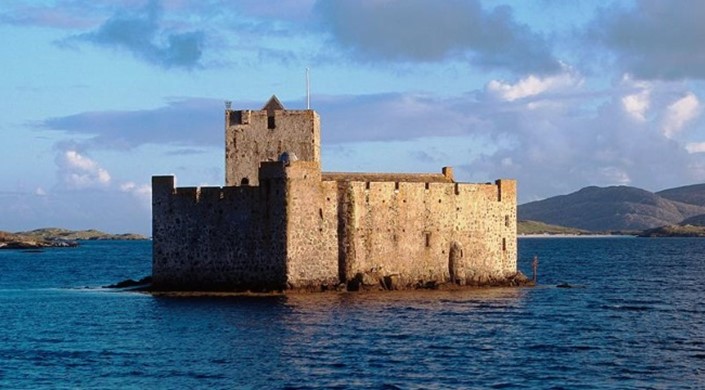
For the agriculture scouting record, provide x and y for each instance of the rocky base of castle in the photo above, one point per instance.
(373, 281)
(362, 282)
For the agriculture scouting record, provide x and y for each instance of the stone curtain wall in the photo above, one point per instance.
(406, 231)
(409, 232)
(213, 238)
(297, 231)
(249, 140)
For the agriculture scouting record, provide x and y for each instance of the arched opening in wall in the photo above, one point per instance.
(245, 181)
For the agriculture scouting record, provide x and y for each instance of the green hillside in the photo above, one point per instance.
(536, 227)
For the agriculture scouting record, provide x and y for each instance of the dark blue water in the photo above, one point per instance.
(637, 322)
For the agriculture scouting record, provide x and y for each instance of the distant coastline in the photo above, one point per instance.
(596, 235)
(537, 229)
(58, 238)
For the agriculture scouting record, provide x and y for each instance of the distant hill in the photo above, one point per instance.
(693, 194)
(79, 235)
(675, 231)
(55, 237)
(536, 227)
(698, 220)
(616, 208)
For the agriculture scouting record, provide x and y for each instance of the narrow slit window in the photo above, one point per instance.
(271, 124)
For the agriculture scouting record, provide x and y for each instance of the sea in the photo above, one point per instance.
(633, 316)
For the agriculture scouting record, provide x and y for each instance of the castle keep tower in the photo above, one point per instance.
(279, 223)
(252, 137)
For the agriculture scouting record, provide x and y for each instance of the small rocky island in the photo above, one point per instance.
(57, 238)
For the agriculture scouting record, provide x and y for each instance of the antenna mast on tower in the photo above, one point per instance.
(308, 89)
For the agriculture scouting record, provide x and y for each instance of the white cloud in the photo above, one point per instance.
(614, 175)
(77, 171)
(75, 160)
(578, 138)
(134, 188)
(143, 192)
(695, 147)
(638, 103)
(532, 85)
(679, 113)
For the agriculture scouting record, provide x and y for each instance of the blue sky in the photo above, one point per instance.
(100, 96)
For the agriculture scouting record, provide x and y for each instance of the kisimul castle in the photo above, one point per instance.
(279, 223)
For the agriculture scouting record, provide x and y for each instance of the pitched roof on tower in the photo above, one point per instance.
(273, 104)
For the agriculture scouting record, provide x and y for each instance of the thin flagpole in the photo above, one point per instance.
(308, 89)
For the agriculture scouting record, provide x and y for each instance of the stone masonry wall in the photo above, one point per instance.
(213, 238)
(409, 232)
(312, 228)
(297, 231)
(250, 139)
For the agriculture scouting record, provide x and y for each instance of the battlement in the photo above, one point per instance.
(264, 119)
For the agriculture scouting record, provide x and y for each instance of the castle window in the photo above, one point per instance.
(245, 181)
(428, 186)
(427, 236)
(506, 220)
(396, 186)
(504, 244)
(270, 122)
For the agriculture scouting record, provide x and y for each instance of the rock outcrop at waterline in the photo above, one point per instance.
(374, 281)
(19, 241)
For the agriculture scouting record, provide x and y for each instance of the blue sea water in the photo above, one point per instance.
(635, 319)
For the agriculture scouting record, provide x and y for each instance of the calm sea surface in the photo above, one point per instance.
(636, 321)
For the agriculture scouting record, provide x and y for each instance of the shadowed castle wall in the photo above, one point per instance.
(212, 238)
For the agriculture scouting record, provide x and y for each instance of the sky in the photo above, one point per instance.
(98, 96)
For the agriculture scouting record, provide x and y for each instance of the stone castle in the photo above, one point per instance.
(279, 223)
